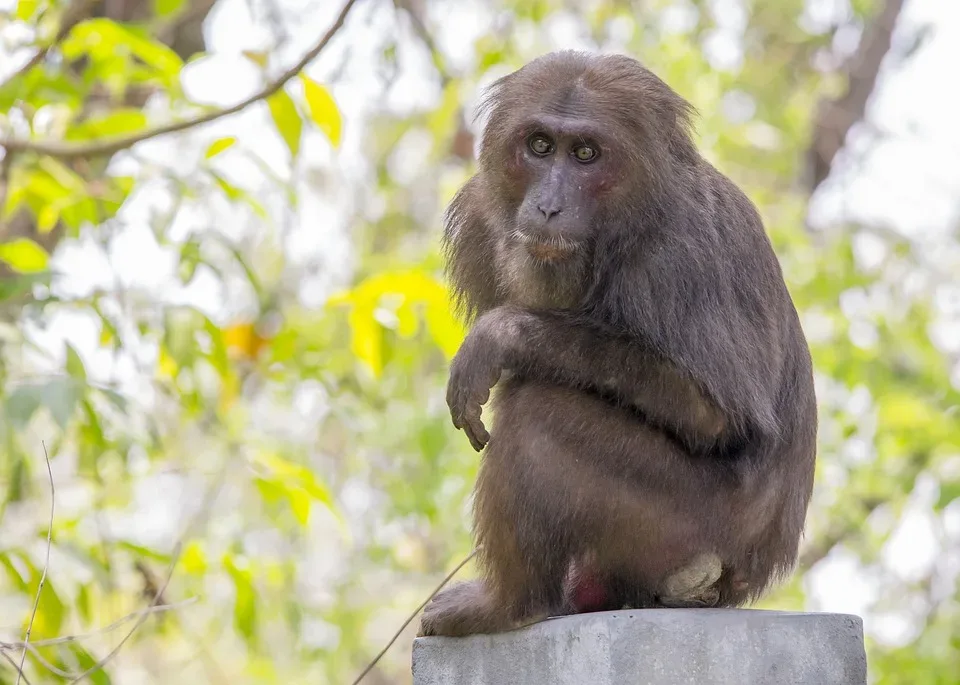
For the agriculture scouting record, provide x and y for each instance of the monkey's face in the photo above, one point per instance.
(563, 169)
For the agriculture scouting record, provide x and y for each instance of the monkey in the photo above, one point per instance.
(655, 419)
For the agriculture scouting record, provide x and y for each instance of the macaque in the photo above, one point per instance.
(655, 418)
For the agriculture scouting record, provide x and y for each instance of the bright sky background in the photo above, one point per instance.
(911, 182)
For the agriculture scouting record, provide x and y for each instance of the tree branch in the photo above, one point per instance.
(140, 620)
(73, 15)
(110, 146)
(835, 118)
(414, 12)
(413, 615)
(46, 565)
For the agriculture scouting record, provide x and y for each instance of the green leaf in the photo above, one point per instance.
(145, 552)
(274, 491)
(24, 255)
(116, 399)
(287, 120)
(60, 397)
(245, 601)
(50, 609)
(75, 365)
(166, 8)
(230, 190)
(17, 285)
(323, 109)
(112, 124)
(84, 660)
(107, 43)
(948, 493)
(218, 146)
(156, 54)
(22, 404)
(83, 602)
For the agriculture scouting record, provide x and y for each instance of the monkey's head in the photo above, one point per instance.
(572, 142)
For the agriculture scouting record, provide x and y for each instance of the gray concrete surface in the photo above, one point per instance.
(655, 647)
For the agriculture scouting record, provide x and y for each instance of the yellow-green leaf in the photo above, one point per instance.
(47, 217)
(366, 340)
(258, 57)
(219, 145)
(287, 120)
(24, 255)
(105, 40)
(323, 109)
(166, 8)
(300, 504)
(245, 601)
(297, 475)
(194, 559)
(26, 9)
(115, 123)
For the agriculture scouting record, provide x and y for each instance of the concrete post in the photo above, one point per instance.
(655, 647)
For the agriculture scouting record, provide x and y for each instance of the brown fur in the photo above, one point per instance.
(655, 426)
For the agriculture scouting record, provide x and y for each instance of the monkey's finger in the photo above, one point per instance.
(477, 433)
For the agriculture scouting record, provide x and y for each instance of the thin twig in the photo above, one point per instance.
(34, 646)
(140, 621)
(16, 668)
(46, 565)
(174, 559)
(413, 615)
(6, 164)
(158, 609)
(95, 148)
(423, 33)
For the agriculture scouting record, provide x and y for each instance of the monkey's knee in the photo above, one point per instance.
(693, 585)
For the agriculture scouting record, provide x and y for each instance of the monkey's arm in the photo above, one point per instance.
(558, 347)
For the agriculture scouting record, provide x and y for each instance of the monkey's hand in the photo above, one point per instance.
(475, 370)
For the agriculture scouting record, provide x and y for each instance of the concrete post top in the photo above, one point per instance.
(655, 647)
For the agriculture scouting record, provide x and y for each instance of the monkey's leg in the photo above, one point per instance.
(693, 585)
(510, 596)
(524, 555)
(461, 609)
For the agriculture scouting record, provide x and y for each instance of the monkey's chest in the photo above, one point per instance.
(530, 284)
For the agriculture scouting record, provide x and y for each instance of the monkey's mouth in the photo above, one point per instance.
(549, 252)
(547, 249)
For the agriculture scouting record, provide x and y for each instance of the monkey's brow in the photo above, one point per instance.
(564, 126)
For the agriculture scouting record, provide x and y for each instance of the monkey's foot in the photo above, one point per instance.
(464, 609)
(694, 585)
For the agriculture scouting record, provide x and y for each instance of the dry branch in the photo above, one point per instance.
(413, 615)
(110, 146)
(835, 118)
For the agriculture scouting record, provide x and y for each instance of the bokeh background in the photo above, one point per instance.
(232, 340)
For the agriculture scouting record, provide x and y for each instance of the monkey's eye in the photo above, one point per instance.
(585, 153)
(541, 145)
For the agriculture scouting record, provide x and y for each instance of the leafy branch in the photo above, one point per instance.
(72, 16)
(109, 146)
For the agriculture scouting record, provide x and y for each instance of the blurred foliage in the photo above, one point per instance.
(298, 449)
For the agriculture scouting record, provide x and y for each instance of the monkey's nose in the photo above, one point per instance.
(548, 211)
